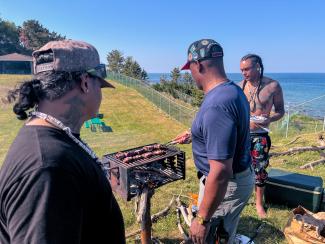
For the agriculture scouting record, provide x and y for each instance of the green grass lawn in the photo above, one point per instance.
(134, 122)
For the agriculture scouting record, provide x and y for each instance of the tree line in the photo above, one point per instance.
(24, 39)
(180, 86)
(117, 63)
(32, 35)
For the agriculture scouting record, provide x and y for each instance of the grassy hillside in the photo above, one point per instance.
(134, 122)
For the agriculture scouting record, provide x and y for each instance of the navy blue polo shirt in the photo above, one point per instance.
(220, 129)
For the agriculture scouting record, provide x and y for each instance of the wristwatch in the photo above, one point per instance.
(201, 220)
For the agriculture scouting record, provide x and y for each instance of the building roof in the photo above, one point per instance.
(15, 57)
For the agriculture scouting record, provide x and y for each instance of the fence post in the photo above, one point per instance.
(179, 114)
(169, 107)
(161, 107)
(288, 121)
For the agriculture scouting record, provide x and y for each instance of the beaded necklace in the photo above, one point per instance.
(252, 97)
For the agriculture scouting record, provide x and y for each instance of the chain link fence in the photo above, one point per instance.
(299, 118)
(171, 107)
(305, 117)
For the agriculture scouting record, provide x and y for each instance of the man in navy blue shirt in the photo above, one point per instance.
(220, 144)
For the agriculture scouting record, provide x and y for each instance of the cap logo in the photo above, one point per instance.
(195, 55)
(205, 42)
(216, 54)
(192, 49)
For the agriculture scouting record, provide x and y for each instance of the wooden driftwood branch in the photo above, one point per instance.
(154, 218)
(133, 233)
(289, 143)
(296, 150)
(312, 164)
(180, 209)
(163, 212)
(183, 210)
(180, 227)
(143, 204)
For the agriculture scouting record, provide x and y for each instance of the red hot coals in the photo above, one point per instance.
(142, 153)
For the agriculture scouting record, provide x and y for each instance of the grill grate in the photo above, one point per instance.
(128, 179)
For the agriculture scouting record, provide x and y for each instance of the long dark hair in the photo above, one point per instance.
(48, 85)
(255, 60)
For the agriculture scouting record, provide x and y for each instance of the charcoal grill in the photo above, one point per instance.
(128, 179)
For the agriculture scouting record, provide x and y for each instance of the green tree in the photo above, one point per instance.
(136, 70)
(9, 38)
(115, 61)
(181, 87)
(132, 68)
(33, 35)
(197, 97)
(176, 75)
(127, 66)
(187, 78)
(144, 75)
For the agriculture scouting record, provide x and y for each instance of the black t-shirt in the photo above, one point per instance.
(52, 191)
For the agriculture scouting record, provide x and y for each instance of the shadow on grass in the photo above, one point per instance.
(103, 127)
(262, 231)
(170, 240)
(106, 128)
(161, 240)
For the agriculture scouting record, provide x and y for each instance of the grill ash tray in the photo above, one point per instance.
(128, 179)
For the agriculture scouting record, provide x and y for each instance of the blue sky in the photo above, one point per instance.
(288, 34)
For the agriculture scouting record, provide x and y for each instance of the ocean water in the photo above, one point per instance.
(303, 92)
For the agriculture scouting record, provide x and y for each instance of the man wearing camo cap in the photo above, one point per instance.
(53, 187)
(220, 145)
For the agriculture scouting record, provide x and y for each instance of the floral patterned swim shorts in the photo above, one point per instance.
(260, 147)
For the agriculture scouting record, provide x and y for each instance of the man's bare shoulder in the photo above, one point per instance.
(271, 83)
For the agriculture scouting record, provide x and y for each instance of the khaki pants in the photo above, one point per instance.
(239, 190)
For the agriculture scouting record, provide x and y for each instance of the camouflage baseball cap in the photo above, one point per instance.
(202, 49)
(70, 56)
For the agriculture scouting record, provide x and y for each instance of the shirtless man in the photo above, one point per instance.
(262, 93)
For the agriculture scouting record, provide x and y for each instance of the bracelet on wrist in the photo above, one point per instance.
(201, 220)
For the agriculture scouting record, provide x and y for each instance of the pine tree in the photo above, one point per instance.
(187, 78)
(176, 75)
(9, 38)
(33, 35)
(115, 61)
(144, 75)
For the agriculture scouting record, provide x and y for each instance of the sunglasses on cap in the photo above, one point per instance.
(99, 71)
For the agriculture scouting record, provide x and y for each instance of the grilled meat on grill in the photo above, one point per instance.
(154, 147)
(143, 156)
(145, 152)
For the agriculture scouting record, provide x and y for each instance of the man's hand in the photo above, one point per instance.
(265, 122)
(199, 232)
(183, 138)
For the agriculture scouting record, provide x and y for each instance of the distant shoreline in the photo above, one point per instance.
(155, 77)
(297, 88)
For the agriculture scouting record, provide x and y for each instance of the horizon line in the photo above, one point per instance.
(287, 72)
